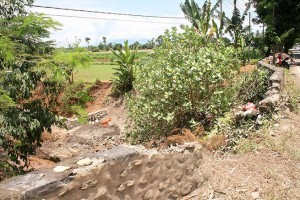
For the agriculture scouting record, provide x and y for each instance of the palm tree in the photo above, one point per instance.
(104, 43)
(87, 40)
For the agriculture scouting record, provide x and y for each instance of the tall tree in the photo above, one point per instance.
(150, 44)
(12, 8)
(22, 45)
(87, 40)
(282, 21)
(135, 45)
(104, 43)
(159, 40)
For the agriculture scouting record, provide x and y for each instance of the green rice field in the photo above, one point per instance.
(95, 72)
(102, 68)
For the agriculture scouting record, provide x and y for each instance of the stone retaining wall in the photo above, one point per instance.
(92, 118)
(276, 82)
(123, 172)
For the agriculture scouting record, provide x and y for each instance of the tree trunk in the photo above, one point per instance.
(274, 51)
(267, 53)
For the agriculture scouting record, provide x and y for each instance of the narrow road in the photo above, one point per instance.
(295, 70)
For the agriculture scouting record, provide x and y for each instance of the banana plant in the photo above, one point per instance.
(201, 17)
(234, 26)
(218, 29)
(125, 73)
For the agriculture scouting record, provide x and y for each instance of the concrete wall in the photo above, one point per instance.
(123, 172)
(276, 82)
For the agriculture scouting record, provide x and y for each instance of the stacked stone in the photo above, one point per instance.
(272, 96)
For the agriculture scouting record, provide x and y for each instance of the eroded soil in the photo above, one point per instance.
(268, 168)
(62, 144)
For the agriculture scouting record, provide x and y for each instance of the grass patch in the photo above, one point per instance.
(95, 72)
(102, 69)
(107, 58)
(291, 93)
(246, 145)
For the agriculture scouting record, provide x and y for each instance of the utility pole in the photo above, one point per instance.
(273, 22)
(263, 32)
(221, 18)
(249, 35)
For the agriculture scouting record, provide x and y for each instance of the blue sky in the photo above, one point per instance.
(117, 31)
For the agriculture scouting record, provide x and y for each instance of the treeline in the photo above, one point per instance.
(104, 45)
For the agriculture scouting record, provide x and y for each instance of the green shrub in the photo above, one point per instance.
(254, 61)
(185, 82)
(246, 55)
(125, 74)
(292, 93)
(75, 97)
(7, 169)
(252, 53)
(252, 86)
(81, 113)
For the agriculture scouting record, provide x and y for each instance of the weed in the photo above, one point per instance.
(292, 93)
(240, 132)
(246, 145)
(252, 86)
(75, 98)
(213, 142)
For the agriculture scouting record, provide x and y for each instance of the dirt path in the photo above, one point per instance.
(295, 71)
(264, 174)
(271, 170)
(62, 144)
(100, 93)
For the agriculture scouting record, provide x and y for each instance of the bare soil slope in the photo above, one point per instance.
(88, 138)
(267, 168)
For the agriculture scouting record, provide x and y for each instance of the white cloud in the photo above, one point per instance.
(115, 31)
(137, 31)
(122, 28)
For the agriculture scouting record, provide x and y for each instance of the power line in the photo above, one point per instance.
(238, 7)
(82, 17)
(107, 13)
(230, 3)
(240, 4)
(228, 7)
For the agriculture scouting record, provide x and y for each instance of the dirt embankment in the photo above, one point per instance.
(62, 143)
(266, 167)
